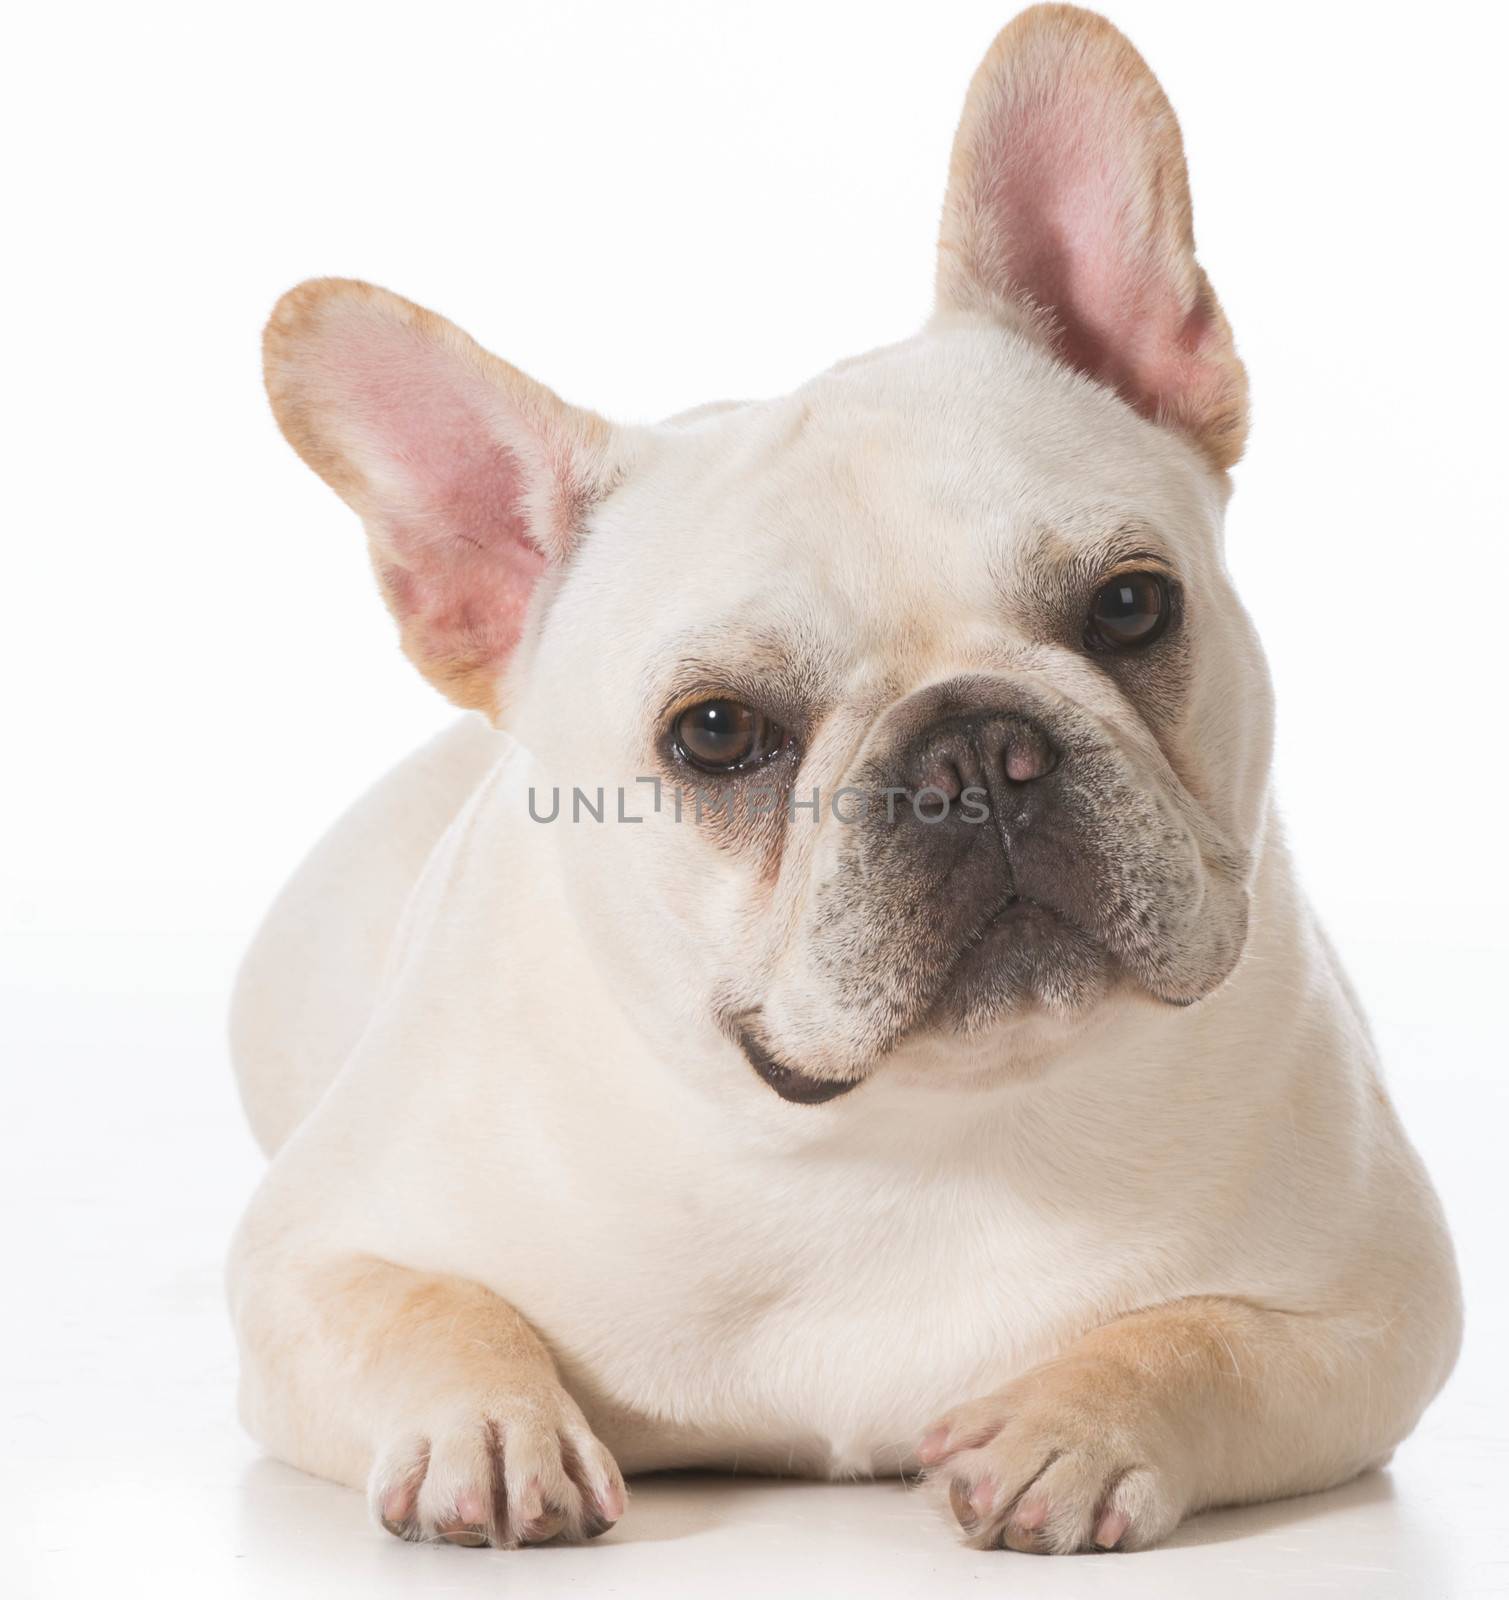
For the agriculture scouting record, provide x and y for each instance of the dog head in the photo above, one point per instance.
(927, 680)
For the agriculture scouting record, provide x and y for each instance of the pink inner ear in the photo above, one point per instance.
(456, 558)
(1070, 191)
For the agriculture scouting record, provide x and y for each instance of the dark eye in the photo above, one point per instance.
(1130, 610)
(726, 736)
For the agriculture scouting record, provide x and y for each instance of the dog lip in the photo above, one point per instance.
(790, 1083)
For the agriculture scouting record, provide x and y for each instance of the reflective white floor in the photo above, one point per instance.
(123, 1470)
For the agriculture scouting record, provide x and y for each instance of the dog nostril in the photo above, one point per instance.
(1028, 756)
(941, 775)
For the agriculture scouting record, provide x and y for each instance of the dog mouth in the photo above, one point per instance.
(1004, 964)
(1024, 955)
(791, 1083)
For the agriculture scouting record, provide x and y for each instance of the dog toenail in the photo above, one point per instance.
(1111, 1528)
(958, 1499)
(983, 1496)
(1031, 1515)
(933, 1444)
(470, 1537)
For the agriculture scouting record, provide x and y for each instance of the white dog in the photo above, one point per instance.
(944, 1069)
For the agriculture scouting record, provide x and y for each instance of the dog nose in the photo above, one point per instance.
(982, 751)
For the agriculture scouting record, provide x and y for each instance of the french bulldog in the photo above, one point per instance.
(839, 1002)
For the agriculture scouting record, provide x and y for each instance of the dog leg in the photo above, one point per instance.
(431, 1390)
(1198, 1403)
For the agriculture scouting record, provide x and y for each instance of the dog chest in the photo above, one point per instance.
(814, 1339)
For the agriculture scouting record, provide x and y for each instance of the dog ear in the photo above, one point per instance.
(471, 478)
(1068, 201)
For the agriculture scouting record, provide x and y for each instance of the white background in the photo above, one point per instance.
(646, 206)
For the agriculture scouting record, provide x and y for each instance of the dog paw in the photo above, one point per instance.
(506, 1469)
(1069, 1457)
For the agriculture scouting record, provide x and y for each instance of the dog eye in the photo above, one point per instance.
(1128, 611)
(725, 736)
